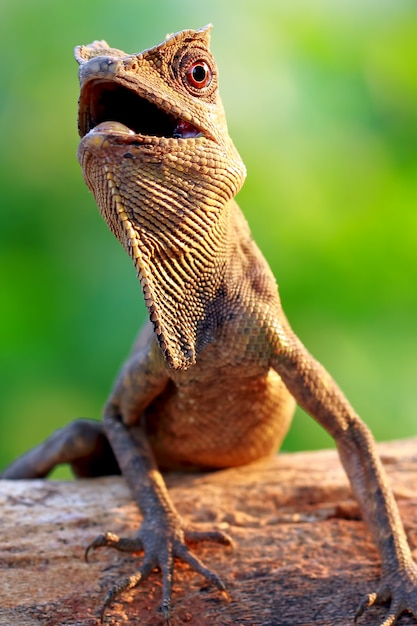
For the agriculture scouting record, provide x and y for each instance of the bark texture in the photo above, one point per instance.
(302, 554)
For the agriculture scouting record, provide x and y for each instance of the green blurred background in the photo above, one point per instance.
(321, 98)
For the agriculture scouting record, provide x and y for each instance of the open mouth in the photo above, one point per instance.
(107, 101)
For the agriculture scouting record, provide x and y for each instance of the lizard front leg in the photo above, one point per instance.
(318, 394)
(162, 535)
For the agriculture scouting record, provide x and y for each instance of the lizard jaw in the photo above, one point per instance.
(107, 102)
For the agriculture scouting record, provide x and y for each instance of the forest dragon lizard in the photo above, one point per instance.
(213, 378)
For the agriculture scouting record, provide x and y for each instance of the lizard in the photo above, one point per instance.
(213, 377)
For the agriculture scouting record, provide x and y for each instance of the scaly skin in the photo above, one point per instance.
(212, 382)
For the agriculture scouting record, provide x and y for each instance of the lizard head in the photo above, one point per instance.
(157, 156)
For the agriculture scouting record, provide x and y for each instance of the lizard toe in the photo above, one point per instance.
(161, 546)
(125, 584)
(400, 588)
(110, 540)
(215, 536)
(194, 562)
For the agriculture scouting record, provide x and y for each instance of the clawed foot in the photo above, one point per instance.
(161, 547)
(401, 588)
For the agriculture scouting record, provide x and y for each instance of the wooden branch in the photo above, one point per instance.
(302, 555)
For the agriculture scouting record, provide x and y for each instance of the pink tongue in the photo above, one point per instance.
(185, 130)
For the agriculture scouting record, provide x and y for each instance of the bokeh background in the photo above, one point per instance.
(321, 98)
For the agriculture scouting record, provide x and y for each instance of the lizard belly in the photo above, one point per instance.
(220, 423)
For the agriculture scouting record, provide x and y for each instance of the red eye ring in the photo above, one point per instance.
(199, 75)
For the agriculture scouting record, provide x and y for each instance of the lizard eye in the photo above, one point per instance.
(199, 75)
(197, 71)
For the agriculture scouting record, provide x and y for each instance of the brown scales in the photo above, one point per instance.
(212, 382)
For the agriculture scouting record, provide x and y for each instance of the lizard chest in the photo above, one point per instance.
(210, 417)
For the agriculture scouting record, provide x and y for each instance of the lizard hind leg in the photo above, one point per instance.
(82, 444)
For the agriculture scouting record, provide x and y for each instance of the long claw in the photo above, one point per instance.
(365, 603)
